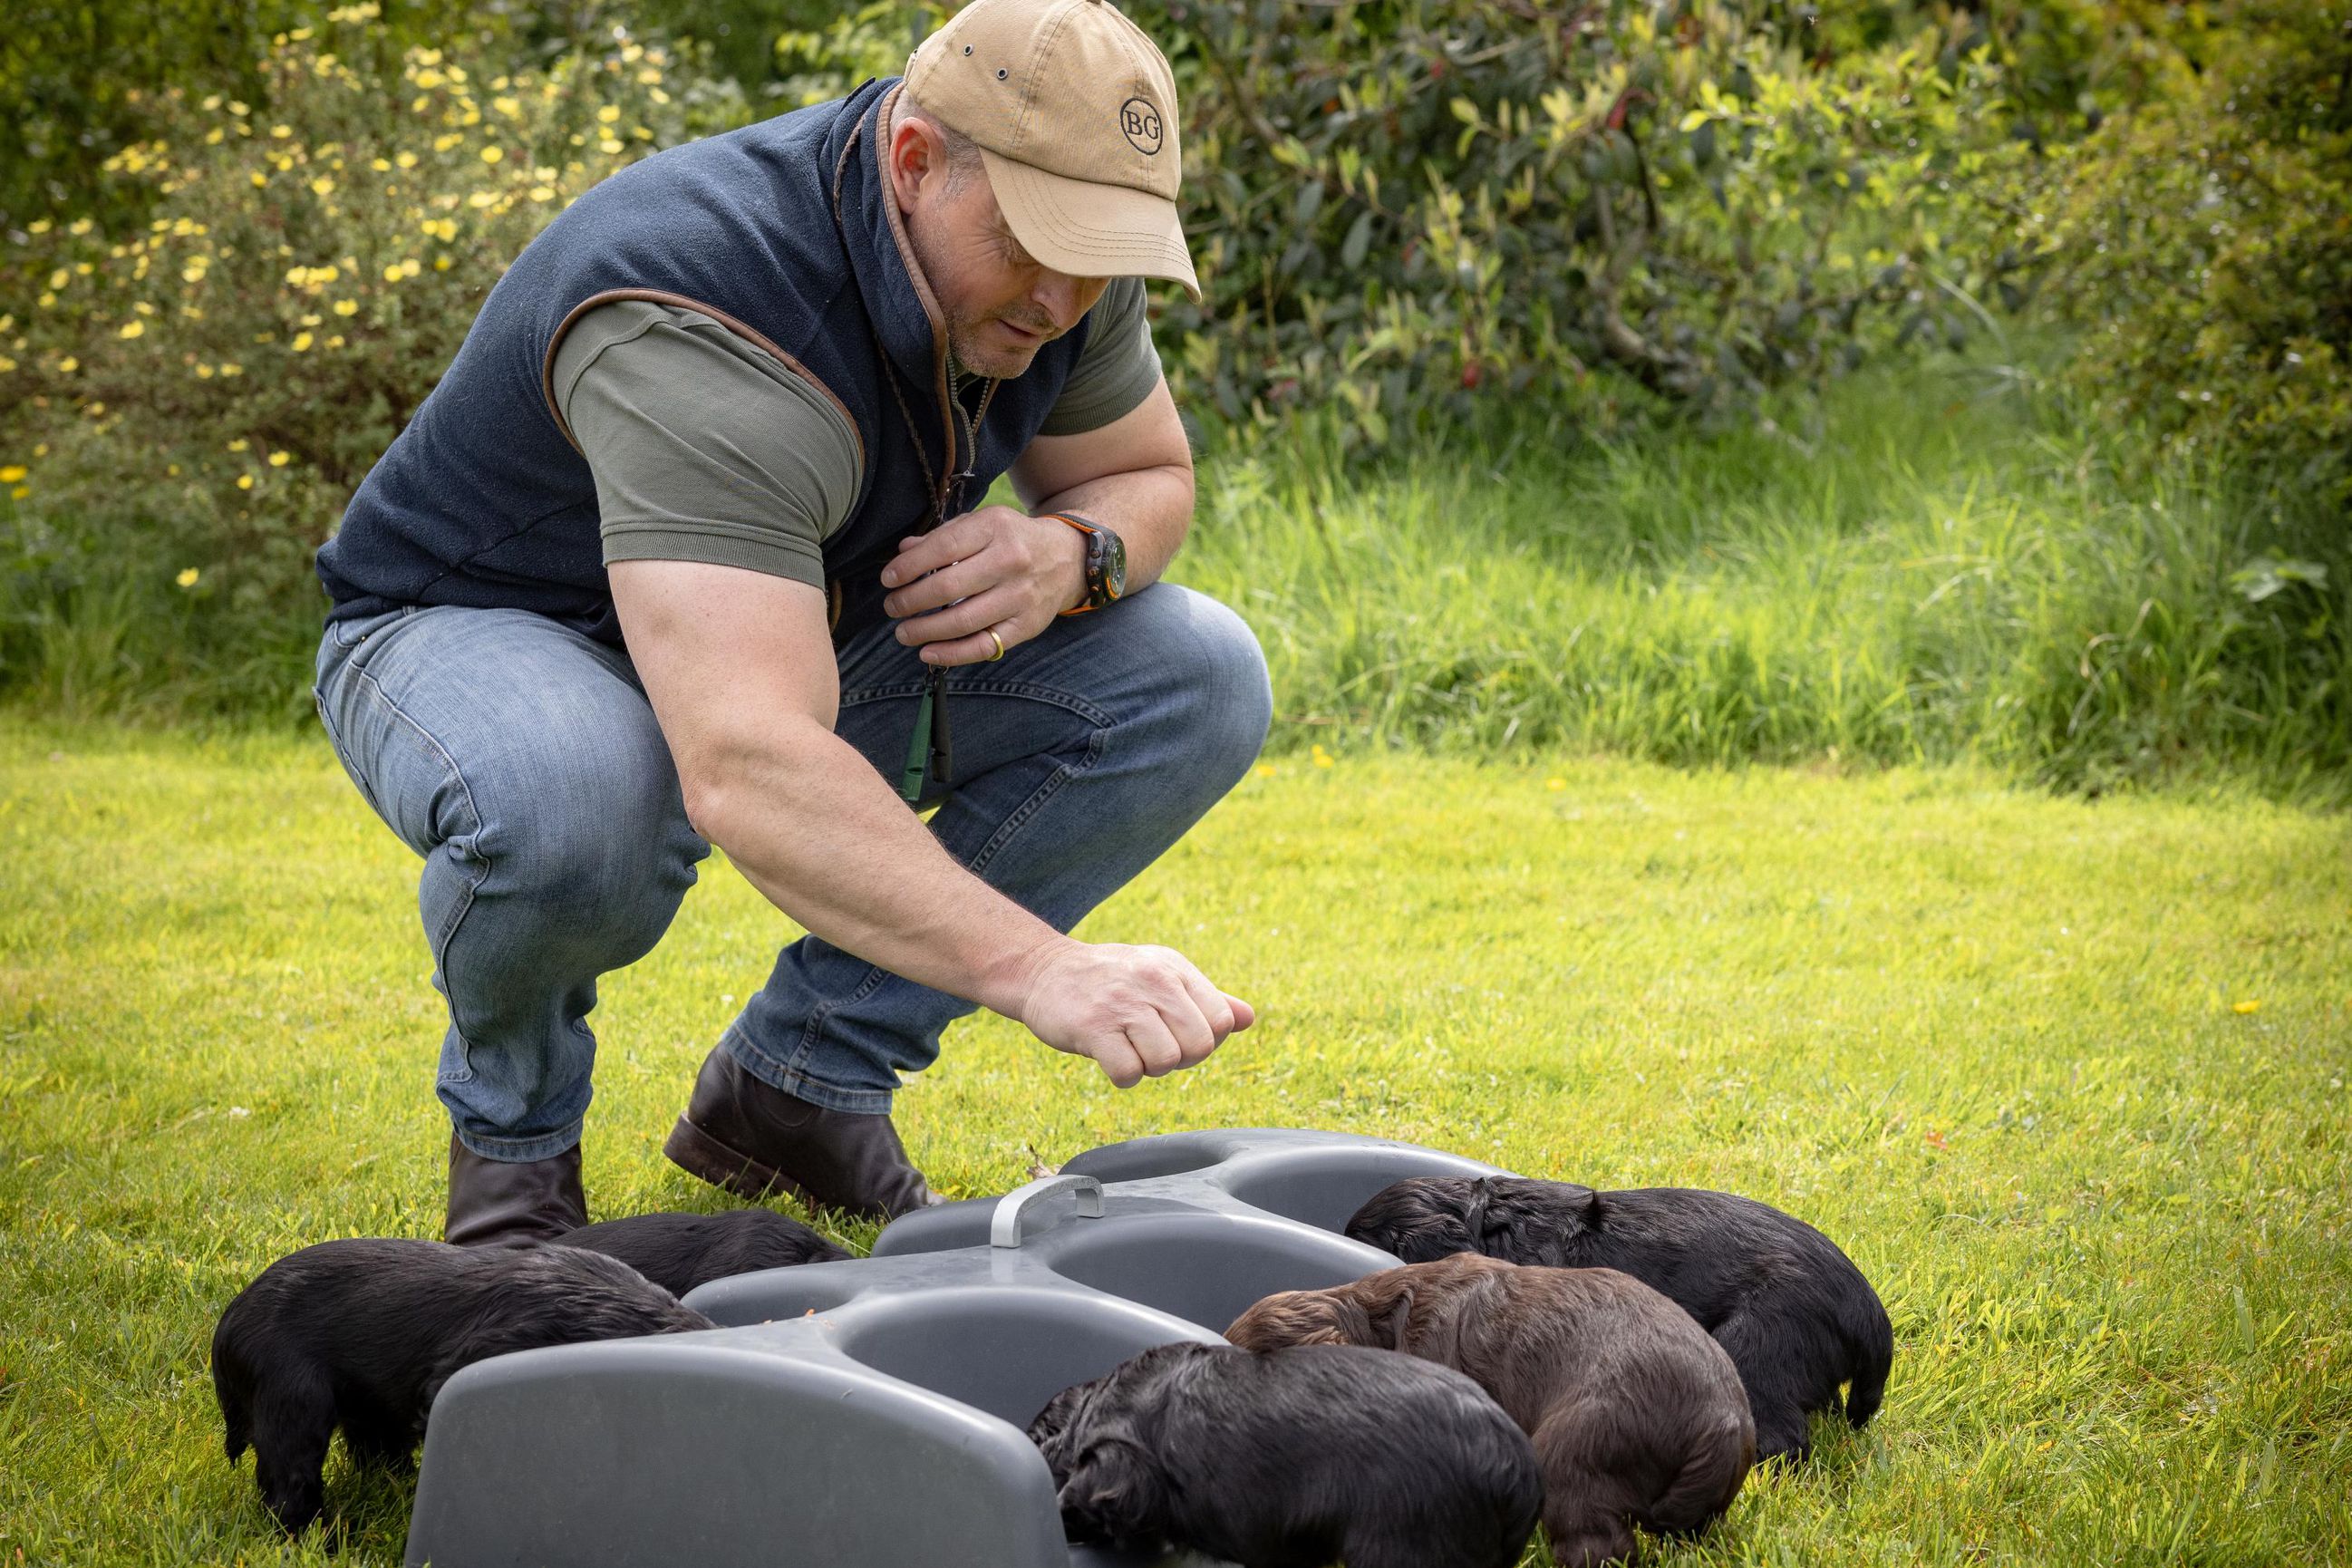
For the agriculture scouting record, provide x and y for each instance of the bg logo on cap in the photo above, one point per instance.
(1140, 123)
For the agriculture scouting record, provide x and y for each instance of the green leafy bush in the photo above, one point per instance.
(193, 403)
(1413, 207)
(2204, 242)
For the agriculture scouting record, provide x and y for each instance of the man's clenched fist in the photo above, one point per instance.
(1139, 1012)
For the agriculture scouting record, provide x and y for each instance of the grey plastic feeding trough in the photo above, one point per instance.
(871, 1412)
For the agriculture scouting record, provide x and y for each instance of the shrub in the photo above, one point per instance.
(2204, 241)
(193, 404)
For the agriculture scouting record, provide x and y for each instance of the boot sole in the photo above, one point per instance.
(700, 1155)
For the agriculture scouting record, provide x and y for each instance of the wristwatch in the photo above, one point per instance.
(1106, 561)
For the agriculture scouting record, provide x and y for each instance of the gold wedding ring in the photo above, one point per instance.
(1000, 646)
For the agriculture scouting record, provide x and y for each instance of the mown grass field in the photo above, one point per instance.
(2067, 1079)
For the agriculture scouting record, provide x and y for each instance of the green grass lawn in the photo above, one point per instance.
(2067, 1079)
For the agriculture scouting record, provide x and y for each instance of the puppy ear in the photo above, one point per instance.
(1388, 1330)
(1113, 1492)
(1474, 1212)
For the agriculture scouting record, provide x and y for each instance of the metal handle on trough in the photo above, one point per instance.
(1004, 1229)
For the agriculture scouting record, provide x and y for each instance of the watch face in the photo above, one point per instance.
(1114, 563)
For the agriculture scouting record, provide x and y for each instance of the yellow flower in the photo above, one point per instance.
(392, 274)
(232, 369)
(302, 342)
(405, 160)
(79, 226)
(39, 226)
(608, 145)
(69, 364)
(281, 131)
(187, 578)
(1265, 770)
(381, 166)
(259, 179)
(245, 481)
(60, 278)
(323, 186)
(13, 473)
(492, 154)
(239, 444)
(347, 306)
(133, 329)
(1555, 784)
(2251, 1007)
(173, 469)
(542, 193)
(204, 373)
(280, 459)
(440, 264)
(608, 114)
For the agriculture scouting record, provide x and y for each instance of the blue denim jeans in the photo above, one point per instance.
(521, 760)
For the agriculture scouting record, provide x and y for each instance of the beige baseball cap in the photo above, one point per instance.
(1074, 109)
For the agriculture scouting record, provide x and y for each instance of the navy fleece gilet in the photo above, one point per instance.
(483, 499)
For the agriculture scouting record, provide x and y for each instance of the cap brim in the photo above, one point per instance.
(1090, 230)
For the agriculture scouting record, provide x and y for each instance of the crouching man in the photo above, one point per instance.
(688, 546)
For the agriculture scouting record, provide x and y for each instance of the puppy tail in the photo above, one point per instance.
(230, 1387)
(1710, 1478)
(1874, 1360)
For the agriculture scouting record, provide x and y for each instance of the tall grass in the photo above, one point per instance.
(1935, 564)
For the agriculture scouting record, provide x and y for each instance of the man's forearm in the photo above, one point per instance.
(1150, 510)
(810, 823)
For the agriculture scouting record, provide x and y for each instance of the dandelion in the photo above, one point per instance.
(68, 365)
(187, 578)
(231, 368)
(608, 144)
(1265, 770)
(323, 186)
(492, 154)
(40, 225)
(79, 226)
(381, 166)
(133, 329)
(608, 114)
(245, 481)
(13, 474)
(347, 306)
(60, 278)
(2254, 1005)
(1322, 758)
(542, 193)
(239, 444)
(259, 179)
(280, 459)
(405, 160)
(302, 342)
(1555, 784)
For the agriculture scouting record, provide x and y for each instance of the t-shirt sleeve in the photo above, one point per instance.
(1115, 371)
(704, 446)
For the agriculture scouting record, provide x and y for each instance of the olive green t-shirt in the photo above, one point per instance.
(705, 447)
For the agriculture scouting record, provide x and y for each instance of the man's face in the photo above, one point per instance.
(1002, 304)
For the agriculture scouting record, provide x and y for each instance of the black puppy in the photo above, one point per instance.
(679, 1251)
(1795, 1314)
(1293, 1459)
(362, 1334)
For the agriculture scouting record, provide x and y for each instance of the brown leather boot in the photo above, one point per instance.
(494, 1201)
(754, 1139)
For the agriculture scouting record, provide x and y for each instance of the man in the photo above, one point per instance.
(687, 547)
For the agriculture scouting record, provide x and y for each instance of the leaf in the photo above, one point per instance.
(2262, 576)
(1358, 241)
(1693, 121)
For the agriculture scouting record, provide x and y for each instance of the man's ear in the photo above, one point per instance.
(917, 161)
(1112, 1493)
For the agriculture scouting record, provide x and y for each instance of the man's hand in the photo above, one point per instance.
(1140, 1012)
(997, 568)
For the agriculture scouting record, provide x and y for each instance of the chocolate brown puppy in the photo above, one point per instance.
(362, 1333)
(1795, 1315)
(1295, 1460)
(1637, 1417)
(679, 1251)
